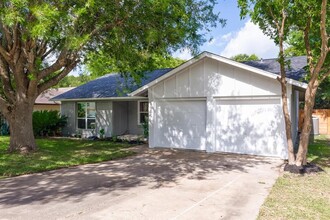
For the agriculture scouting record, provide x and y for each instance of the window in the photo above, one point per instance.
(86, 115)
(142, 112)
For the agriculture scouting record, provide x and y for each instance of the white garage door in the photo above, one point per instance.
(250, 127)
(180, 124)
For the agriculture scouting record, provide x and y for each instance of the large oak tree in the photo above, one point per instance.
(41, 41)
(278, 19)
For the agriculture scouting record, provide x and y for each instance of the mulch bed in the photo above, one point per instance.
(306, 169)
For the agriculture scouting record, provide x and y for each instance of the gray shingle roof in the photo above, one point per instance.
(110, 85)
(294, 71)
(45, 97)
(114, 85)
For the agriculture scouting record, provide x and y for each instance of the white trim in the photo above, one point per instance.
(218, 58)
(86, 117)
(135, 98)
(139, 112)
(180, 99)
(260, 97)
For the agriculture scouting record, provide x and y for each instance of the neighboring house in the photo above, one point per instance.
(43, 101)
(209, 103)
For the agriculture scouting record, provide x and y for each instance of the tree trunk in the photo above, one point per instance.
(288, 124)
(21, 128)
(307, 125)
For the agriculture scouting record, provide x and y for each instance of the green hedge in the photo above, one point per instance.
(48, 123)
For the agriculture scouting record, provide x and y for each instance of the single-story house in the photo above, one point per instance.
(209, 103)
(44, 102)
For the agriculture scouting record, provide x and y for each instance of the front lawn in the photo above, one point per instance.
(302, 196)
(58, 153)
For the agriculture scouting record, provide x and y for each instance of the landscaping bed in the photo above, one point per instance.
(59, 153)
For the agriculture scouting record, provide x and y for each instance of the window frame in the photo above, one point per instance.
(86, 118)
(139, 112)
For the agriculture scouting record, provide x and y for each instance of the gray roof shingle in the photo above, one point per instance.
(45, 97)
(114, 85)
(110, 85)
(295, 70)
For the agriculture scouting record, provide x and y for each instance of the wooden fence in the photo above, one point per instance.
(324, 120)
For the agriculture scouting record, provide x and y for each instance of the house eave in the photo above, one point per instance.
(129, 98)
(220, 59)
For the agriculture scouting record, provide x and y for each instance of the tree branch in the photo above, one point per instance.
(4, 107)
(7, 35)
(5, 54)
(59, 63)
(5, 78)
(45, 54)
(15, 39)
(308, 46)
(324, 39)
(54, 80)
(325, 76)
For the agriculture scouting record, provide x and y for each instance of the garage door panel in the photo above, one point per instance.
(250, 126)
(184, 126)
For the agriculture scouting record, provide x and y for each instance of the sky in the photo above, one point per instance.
(238, 36)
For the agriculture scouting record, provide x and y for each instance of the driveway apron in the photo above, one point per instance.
(154, 184)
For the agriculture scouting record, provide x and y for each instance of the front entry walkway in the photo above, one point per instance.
(155, 184)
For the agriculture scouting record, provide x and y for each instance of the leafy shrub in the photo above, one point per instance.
(102, 133)
(145, 126)
(4, 128)
(48, 122)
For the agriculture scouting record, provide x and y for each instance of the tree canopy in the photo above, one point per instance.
(280, 20)
(42, 41)
(244, 57)
(296, 47)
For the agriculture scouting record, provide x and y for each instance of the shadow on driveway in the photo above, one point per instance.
(150, 167)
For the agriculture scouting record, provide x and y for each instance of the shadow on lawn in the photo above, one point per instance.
(155, 168)
(319, 149)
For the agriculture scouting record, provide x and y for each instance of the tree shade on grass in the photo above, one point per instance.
(59, 153)
(302, 196)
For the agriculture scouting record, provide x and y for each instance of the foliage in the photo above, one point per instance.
(280, 20)
(99, 63)
(296, 47)
(102, 133)
(47, 123)
(293, 193)
(58, 153)
(295, 42)
(322, 99)
(244, 57)
(145, 126)
(42, 41)
(73, 81)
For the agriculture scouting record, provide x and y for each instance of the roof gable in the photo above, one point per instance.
(253, 68)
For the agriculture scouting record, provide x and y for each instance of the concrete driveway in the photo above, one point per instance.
(155, 184)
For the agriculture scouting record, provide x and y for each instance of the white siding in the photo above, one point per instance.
(190, 100)
(212, 78)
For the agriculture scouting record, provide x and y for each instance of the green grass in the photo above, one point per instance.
(58, 153)
(302, 196)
